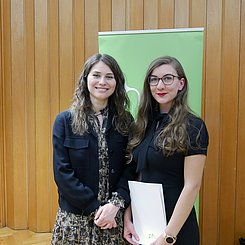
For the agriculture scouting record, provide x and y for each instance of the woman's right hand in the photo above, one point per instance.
(105, 216)
(129, 232)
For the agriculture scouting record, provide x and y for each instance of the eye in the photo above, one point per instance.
(153, 79)
(96, 75)
(109, 77)
(168, 78)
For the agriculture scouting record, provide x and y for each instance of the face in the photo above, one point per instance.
(101, 84)
(165, 94)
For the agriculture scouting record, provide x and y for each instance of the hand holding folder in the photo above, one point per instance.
(148, 210)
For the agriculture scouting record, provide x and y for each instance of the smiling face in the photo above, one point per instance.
(101, 84)
(165, 94)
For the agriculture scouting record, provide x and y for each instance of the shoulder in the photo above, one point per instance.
(63, 118)
(194, 119)
(196, 123)
(197, 131)
(64, 114)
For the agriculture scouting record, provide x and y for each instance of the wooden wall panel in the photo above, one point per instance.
(240, 168)
(182, 13)
(54, 92)
(198, 18)
(2, 175)
(66, 52)
(44, 44)
(18, 85)
(30, 114)
(79, 34)
(166, 14)
(7, 109)
(135, 15)
(105, 15)
(91, 23)
(150, 14)
(210, 200)
(42, 114)
(229, 110)
(118, 15)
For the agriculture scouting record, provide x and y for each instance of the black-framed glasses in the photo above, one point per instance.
(167, 79)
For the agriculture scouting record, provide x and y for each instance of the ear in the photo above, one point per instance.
(181, 84)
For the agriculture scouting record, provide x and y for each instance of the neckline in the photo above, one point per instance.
(101, 112)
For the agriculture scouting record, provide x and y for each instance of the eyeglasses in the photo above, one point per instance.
(167, 79)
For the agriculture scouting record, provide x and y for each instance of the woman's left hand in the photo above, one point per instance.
(105, 216)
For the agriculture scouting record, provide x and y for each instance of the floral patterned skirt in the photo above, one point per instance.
(73, 229)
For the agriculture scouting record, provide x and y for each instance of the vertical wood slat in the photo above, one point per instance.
(150, 14)
(182, 13)
(7, 110)
(118, 15)
(79, 34)
(66, 53)
(30, 115)
(105, 15)
(240, 190)
(166, 14)
(91, 23)
(53, 19)
(211, 181)
(2, 175)
(42, 114)
(135, 15)
(230, 62)
(198, 18)
(18, 114)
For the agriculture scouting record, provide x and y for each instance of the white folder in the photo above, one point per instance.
(148, 210)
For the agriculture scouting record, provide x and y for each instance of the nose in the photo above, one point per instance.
(102, 80)
(160, 84)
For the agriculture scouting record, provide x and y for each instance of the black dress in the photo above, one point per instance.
(154, 167)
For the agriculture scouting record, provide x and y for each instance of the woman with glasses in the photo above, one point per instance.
(169, 146)
(89, 143)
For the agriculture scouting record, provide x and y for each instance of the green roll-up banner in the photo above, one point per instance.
(134, 50)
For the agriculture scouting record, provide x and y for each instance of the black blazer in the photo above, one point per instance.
(76, 165)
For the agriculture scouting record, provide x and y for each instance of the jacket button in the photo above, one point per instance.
(112, 170)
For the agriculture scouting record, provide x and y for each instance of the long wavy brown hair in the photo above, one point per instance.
(81, 108)
(174, 137)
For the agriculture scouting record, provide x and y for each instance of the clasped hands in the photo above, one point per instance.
(105, 216)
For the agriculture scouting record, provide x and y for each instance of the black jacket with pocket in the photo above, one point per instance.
(76, 165)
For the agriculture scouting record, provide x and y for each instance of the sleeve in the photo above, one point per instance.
(198, 137)
(122, 189)
(117, 200)
(69, 186)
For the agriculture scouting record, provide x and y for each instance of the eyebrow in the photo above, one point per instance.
(164, 75)
(108, 73)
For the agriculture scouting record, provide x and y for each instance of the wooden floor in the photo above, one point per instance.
(19, 237)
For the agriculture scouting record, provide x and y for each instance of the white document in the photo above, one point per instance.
(148, 210)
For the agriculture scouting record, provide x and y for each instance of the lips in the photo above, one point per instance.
(102, 89)
(161, 94)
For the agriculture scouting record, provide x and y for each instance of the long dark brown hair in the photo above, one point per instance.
(174, 136)
(118, 102)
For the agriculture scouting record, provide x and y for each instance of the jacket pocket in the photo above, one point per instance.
(78, 149)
